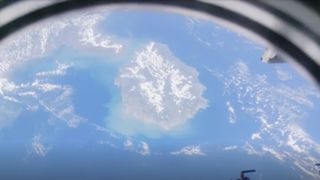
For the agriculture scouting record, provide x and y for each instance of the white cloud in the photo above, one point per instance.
(273, 152)
(158, 88)
(232, 114)
(60, 71)
(6, 86)
(78, 30)
(139, 147)
(279, 109)
(54, 98)
(255, 136)
(4, 65)
(106, 131)
(89, 35)
(60, 106)
(144, 149)
(45, 87)
(298, 140)
(251, 150)
(190, 151)
(263, 150)
(307, 170)
(128, 144)
(38, 146)
(282, 74)
(230, 148)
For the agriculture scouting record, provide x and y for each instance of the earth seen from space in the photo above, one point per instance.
(147, 94)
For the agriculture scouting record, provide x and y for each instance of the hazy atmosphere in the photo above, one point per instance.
(141, 94)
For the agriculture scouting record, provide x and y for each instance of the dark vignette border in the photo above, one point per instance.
(273, 37)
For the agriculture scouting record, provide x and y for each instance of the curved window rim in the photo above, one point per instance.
(247, 17)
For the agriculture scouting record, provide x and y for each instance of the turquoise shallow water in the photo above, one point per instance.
(109, 144)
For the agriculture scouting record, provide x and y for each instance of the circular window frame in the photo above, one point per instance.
(252, 16)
